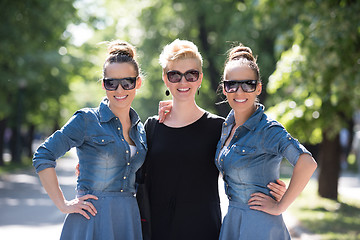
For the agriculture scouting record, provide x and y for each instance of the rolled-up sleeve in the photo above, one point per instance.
(281, 142)
(71, 135)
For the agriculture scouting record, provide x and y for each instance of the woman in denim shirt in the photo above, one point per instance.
(111, 146)
(249, 154)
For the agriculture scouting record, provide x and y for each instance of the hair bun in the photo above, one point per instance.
(121, 48)
(241, 52)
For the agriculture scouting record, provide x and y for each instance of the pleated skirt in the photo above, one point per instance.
(243, 223)
(117, 217)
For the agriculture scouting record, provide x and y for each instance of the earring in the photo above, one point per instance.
(198, 91)
(167, 92)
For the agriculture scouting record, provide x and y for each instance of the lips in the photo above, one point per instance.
(240, 100)
(120, 98)
(183, 89)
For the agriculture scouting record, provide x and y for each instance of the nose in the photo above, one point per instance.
(182, 79)
(239, 89)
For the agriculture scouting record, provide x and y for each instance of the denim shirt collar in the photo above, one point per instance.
(252, 122)
(106, 114)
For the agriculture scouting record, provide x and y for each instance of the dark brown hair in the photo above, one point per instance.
(121, 52)
(242, 56)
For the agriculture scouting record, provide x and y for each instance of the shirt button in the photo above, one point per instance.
(128, 164)
(122, 139)
(102, 140)
(125, 177)
(243, 150)
(289, 138)
(116, 118)
(222, 160)
(121, 190)
(137, 152)
(225, 124)
(127, 151)
(118, 128)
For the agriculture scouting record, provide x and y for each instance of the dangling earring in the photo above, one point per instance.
(167, 92)
(198, 91)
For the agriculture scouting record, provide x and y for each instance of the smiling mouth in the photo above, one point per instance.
(183, 89)
(120, 98)
(240, 100)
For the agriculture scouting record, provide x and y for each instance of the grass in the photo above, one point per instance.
(327, 218)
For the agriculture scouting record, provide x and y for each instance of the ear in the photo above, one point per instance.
(201, 77)
(138, 82)
(164, 78)
(223, 91)
(259, 89)
(102, 84)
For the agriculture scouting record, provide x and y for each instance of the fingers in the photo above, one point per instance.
(164, 109)
(77, 171)
(264, 203)
(165, 103)
(86, 205)
(163, 112)
(257, 198)
(277, 189)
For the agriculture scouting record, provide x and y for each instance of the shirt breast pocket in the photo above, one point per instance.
(242, 156)
(102, 140)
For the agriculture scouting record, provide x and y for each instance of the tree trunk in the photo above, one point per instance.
(329, 162)
(214, 75)
(29, 140)
(2, 145)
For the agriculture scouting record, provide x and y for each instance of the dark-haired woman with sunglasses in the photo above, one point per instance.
(181, 177)
(111, 146)
(249, 154)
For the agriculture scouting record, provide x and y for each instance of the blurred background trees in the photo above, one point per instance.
(308, 52)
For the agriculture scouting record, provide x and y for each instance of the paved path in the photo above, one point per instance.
(26, 212)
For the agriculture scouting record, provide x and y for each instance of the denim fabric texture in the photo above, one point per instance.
(104, 155)
(253, 157)
(118, 218)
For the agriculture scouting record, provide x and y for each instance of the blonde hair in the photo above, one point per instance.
(179, 49)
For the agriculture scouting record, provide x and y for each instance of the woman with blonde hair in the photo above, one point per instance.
(181, 177)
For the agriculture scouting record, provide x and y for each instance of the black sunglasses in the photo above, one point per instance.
(247, 86)
(111, 84)
(190, 76)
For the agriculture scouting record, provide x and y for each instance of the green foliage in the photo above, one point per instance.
(320, 71)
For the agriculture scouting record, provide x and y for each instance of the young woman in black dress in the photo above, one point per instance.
(181, 176)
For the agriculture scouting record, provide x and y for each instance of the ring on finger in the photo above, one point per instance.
(85, 203)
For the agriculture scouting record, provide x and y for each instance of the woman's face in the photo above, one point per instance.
(183, 90)
(241, 101)
(120, 98)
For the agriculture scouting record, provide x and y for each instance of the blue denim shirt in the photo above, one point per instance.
(252, 158)
(104, 155)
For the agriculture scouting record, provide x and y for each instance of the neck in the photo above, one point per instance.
(183, 113)
(122, 113)
(243, 116)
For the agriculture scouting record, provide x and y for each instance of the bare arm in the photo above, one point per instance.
(50, 183)
(303, 170)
